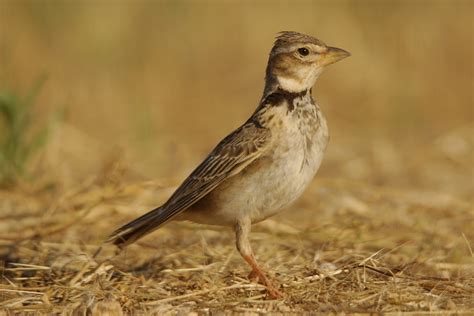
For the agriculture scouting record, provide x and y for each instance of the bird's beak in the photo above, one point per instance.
(332, 55)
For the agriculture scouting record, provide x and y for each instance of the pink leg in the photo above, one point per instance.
(242, 231)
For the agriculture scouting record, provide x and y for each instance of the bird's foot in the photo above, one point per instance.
(260, 277)
(253, 276)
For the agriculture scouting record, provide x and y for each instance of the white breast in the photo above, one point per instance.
(296, 159)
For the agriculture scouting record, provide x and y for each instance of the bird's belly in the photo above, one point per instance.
(283, 183)
(262, 189)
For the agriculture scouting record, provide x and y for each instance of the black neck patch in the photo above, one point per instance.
(278, 96)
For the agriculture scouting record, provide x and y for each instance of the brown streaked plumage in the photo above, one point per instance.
(262, 166)
(229, 157)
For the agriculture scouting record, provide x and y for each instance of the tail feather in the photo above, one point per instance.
(137, 228)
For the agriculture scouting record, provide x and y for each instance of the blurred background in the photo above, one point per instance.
(156, 84)
(107, 105)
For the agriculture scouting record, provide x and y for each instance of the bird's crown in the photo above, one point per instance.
(287, 37)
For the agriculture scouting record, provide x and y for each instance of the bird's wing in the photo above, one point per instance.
(229, 157)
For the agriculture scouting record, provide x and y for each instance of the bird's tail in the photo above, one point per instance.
(137, 228)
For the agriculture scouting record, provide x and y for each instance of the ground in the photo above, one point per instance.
(344, 247)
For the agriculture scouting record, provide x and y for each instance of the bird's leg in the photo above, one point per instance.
(242, 230)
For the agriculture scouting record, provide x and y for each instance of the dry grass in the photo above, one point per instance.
(387, 226)
(345, 247)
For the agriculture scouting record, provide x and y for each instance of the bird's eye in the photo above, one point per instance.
(303, 51)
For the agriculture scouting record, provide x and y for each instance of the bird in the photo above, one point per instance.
(265, 164)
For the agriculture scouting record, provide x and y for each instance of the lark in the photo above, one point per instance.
(265, 164)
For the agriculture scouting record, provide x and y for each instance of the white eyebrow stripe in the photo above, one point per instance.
(291, 48)
(319, 49)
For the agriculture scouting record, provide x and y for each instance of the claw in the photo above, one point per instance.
(257, 275)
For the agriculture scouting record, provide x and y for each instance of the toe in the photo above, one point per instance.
(253, 276)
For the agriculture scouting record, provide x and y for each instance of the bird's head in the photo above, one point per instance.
(296, 60)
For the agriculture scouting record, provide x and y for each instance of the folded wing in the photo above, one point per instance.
(231, 155)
